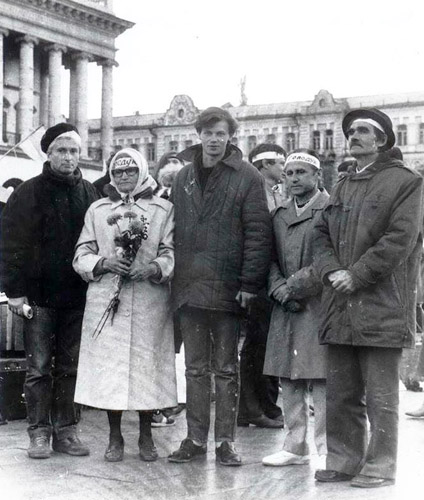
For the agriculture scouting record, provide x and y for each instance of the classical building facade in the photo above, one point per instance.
(312, 124)
(37, 39)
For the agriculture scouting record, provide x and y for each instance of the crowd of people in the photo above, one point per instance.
(118, 275)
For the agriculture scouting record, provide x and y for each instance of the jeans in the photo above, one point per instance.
(52, 340)
(211, 340)
(363, 382)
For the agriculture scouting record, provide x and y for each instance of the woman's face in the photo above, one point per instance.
(125, 178)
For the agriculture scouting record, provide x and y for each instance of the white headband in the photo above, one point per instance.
(305, 158)
(370, 121)
(126, 161)
(268, 155)
(71, 135)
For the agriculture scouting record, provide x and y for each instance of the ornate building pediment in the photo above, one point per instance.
(324, 102)
(181, 111)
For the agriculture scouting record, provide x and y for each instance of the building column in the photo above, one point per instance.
(44, 92)
(81, 74)
(3, 33)
(26, 86)
(55, 66)
(73, 96)
(106, 123)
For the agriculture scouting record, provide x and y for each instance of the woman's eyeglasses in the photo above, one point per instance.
(119, 172)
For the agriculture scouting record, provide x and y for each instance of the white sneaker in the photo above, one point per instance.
(285, 458)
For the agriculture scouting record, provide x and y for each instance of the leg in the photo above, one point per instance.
(147, 448)
(68, 336)
(249, 407)
(38, 342)
(319, 394)
(197, 343)
(115, 450)
(346, 412)
(295, 399)
(381, 370)
(266, 386)
(225, 332)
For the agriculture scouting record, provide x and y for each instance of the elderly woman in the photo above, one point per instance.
(127, 347)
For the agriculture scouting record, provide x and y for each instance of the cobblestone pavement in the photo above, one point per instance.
(90, 478)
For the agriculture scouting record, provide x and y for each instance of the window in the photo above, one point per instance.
(234, 141)
(151, 151)
(329, 140)
(134, 146)
(402, 135)
(316, 140)
(173, 146)
(290, 141)
(181, 113)
(188, 143)
(421, 134)
(251, 142)
(270, 139)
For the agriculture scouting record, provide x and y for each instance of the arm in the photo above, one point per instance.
(165, 258)
(304, 283)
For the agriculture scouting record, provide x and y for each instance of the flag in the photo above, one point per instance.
(31, 145)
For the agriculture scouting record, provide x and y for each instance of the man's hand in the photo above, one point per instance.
(16, 305)
(117, 265)
(281, 294)
(244, 298)
(141, 272)
(342, 281)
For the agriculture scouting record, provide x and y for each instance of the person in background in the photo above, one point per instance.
(168, 167)
(293, 352)
(345, 167)
(40, 227)
(258, 392)
(222, 256)
(368, 246)
(129, 363)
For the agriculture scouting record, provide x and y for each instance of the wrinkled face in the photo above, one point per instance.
(168, 172)
(362, 139)
(274, 169)
(301, 178)
(214, 138)
(125, 178)
(64, 155)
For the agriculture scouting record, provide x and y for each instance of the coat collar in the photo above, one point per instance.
(382, 162)
(288, 211)
(233, 156)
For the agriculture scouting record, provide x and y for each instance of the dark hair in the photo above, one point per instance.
(163, 161)
(210, 116)
(263, 148)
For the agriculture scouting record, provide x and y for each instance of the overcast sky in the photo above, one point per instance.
(288, 50)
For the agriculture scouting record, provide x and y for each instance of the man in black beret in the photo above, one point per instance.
(368, 241)
(41, 224)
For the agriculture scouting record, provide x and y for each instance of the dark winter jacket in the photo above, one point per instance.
(40, 227)
(223, 235)
(373, 227)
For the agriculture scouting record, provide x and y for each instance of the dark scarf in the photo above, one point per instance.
(57, 178)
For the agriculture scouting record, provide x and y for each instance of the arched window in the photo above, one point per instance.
(402, 135)
(290, 141)
(316, 140)
(329, 140)
(151, 151)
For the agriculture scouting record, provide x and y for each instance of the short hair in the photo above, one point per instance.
(213, 115)
(263, 148)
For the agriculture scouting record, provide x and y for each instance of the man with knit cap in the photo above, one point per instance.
(40, 227)
(368, 244)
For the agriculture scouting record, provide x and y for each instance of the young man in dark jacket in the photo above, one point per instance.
(222, 255)
(368, 241)
(40, 227)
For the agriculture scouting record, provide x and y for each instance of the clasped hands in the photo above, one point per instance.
(342, 281)
(134, 271)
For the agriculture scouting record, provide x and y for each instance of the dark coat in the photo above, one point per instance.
(222, 236)
(40, 227)
(293, 350)
(373, 227)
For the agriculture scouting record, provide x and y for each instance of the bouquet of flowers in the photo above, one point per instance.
(127, 242)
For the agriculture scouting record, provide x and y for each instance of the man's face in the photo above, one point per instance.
(274, 169)
(362, 139)
(64, 156)
(301, 178)
(214, 138)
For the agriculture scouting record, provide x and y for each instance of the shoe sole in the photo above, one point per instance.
(338, 480)
(40, 456)
(186, 460)
(72, 453)
(236, 464)
(154, 424)
(294, 462)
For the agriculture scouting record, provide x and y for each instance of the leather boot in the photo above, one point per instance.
(66, 440)
(146, 446)
(39, 442)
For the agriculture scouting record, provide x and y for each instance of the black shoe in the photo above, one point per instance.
(71, 445)
(331, 476)
(226, 454)
(187, 452)
(361, 481)
(147, 449)
(115, 450)
(262, 421)
(39, 446)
